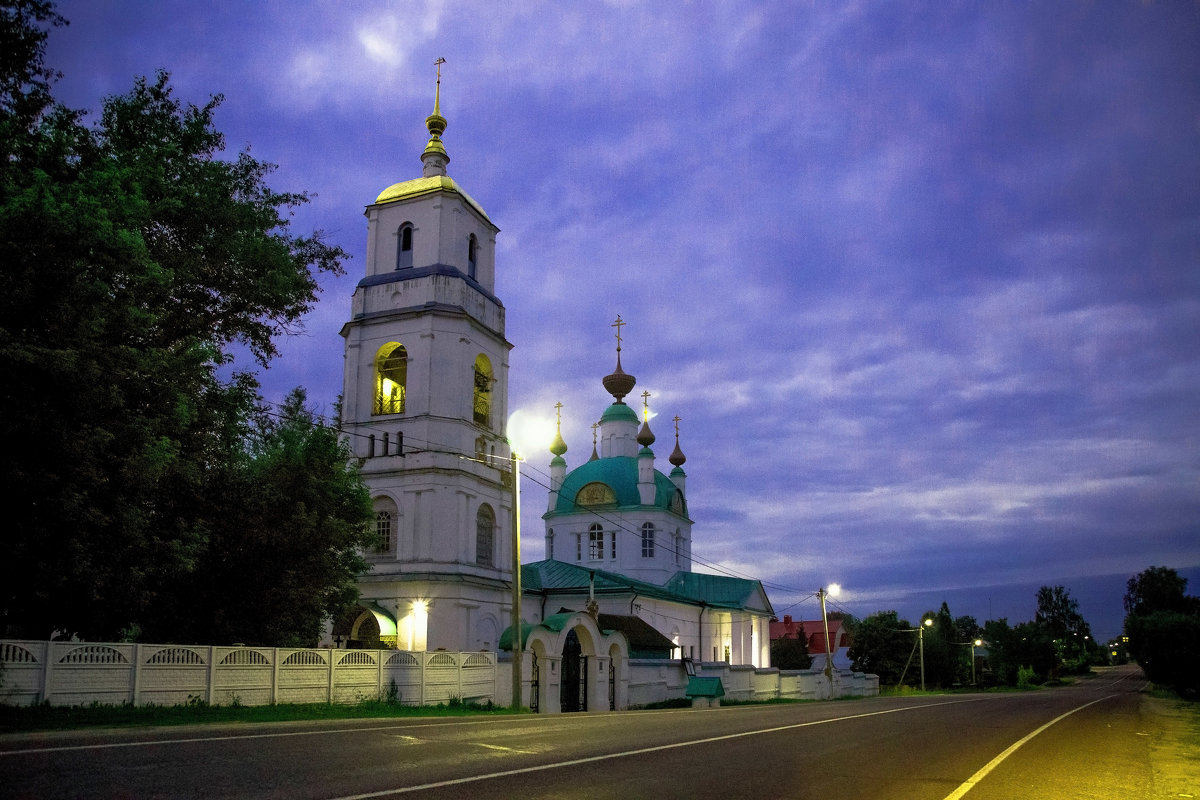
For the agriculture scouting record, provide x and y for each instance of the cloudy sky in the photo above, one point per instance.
(922, 280)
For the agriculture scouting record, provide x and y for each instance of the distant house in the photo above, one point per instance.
(814, 631)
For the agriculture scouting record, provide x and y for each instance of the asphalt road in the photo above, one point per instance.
(1084, 741)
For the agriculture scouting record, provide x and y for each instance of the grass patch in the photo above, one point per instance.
(14, 719)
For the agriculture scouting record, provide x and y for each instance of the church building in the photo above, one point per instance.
(619, 539)
(425, 404)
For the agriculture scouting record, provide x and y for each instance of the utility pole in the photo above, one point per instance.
(925, 623)
(518, 648)
(828, 654)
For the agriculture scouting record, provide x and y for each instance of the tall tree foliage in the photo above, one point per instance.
(1163, 626)
(134, 256)
(883, 644)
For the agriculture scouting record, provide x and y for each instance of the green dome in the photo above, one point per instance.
(620, 476)
(619, 412)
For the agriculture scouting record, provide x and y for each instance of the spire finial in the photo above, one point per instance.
(595, 455)
(619, 383)
(558, 446)
(645, 436)
(677, 457)
(437, 92)
(435, 157)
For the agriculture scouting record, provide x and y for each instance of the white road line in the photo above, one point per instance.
(281, 734)
(641, 751)
(970, 782)
(239, 736)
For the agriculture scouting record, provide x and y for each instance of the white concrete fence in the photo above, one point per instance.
(81, 673)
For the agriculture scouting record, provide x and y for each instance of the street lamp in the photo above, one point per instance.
(974, 644)
(925, 623)
(822, 594)
(518, 639)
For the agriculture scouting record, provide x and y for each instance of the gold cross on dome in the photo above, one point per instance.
(595, 425)
(646, 404)
(676, 421)
(558, 407)
(618, 325)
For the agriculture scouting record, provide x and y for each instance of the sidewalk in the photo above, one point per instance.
(1174, 746)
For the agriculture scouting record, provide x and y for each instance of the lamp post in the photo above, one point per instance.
(974, 644)
(925, 623)
(828, 655)
(518, 639)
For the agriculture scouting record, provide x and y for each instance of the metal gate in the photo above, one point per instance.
(535, 682)
(612, 684)
(574, 675)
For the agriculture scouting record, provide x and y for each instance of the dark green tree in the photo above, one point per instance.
(287, 498)
(135, 256)
(791, 653)
(1162, 623)
(1058, 615)
(1027, 645)
(882, 644)
(1157, 589)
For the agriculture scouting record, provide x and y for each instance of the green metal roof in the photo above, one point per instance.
(691, 588)
(721, 591)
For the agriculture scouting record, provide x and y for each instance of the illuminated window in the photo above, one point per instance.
(485, 536)
(391, 376)
(483, 390)
(647, 540)
(595, 542)
(472, 250)
(404, 249)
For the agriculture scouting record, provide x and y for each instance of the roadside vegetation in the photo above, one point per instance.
(1057, 643)
(25, 719)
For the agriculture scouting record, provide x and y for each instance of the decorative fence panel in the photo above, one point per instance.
(79, 673)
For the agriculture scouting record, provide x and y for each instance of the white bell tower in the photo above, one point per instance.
(425, 400)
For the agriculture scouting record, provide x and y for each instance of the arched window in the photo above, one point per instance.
(678, 546)
(386, 518)
(647, 540)
(472, 252)
(404, 246)
(483, 390)
(550, 543)
(595, 542)
(391, 376)
(485, 536)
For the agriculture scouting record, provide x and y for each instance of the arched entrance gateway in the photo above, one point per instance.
(572, 665)
(573, 694)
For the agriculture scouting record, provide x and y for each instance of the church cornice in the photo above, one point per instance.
(415, 273)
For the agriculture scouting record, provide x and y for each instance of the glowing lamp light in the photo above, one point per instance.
(834, 589)
(530, 433)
